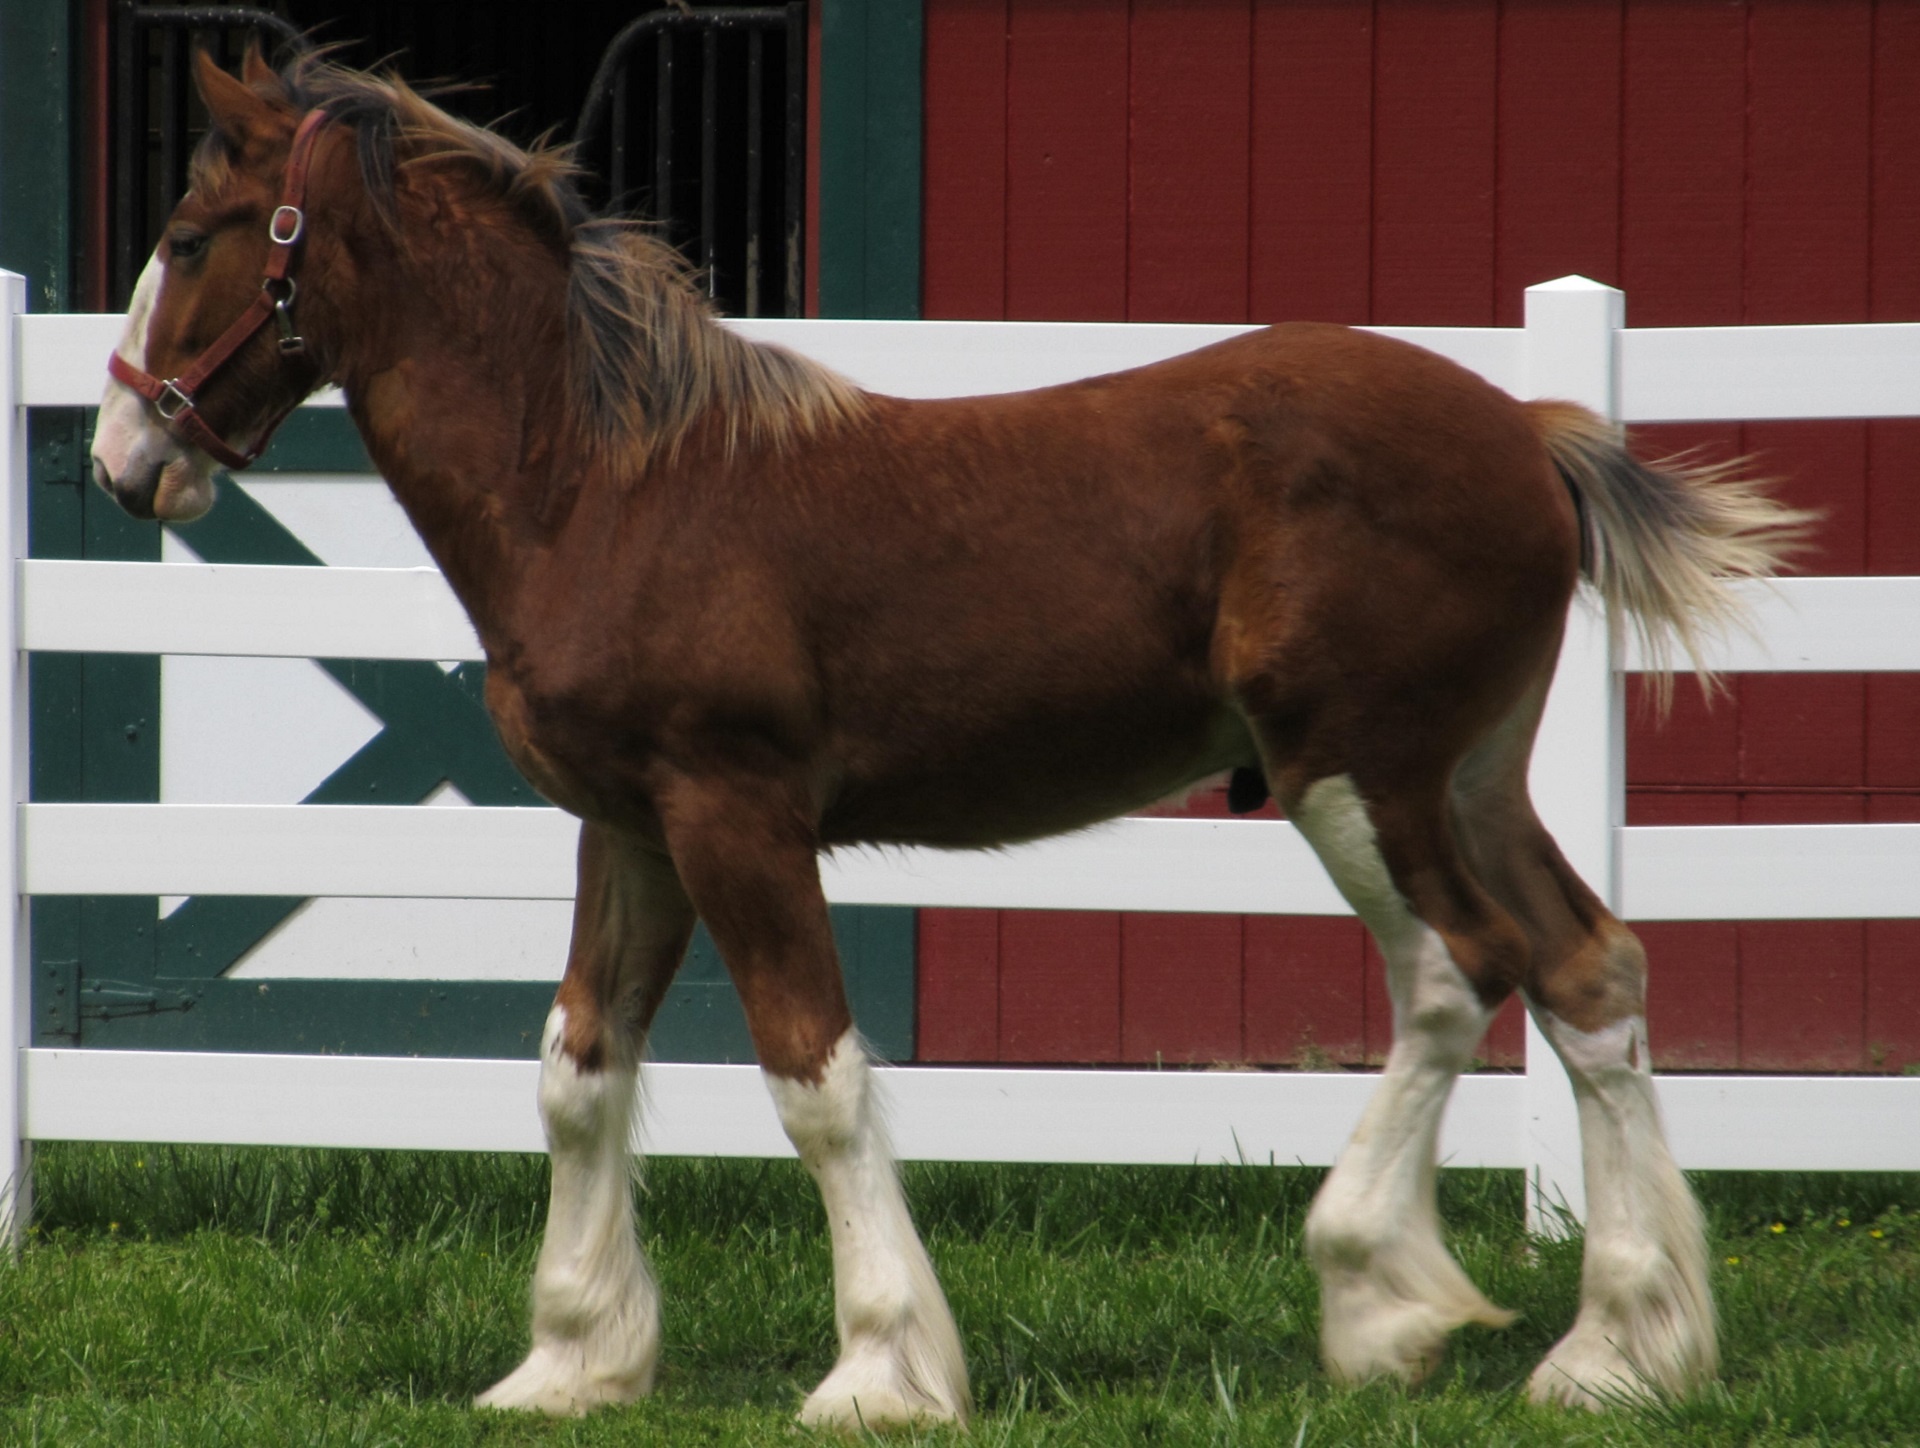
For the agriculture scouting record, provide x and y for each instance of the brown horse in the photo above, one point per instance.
(737, 611)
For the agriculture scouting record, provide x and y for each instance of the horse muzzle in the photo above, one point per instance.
(132, 492)
(175, 489)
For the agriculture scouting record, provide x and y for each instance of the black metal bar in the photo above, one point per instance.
(150, 173)
(709, 148)
(756, 123)
(792, 225)
(662, 22)
(206, 17)
(617, 151)
(129, 117)
(663, 131)
(172, 121)
(740, 269)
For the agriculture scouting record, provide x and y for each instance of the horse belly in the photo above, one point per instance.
(1047, 778)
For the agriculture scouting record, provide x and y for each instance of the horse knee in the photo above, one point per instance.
(828, 1114)
(583, 1096)
(1602, 981)
(1494, 955)
(1438, 1007)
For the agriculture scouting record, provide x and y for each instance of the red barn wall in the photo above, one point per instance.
(1422, 161)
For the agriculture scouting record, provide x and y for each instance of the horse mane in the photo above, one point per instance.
(647, 359)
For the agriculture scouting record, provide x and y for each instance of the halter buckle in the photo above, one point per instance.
(291, 342)
(170, 391)
(297, 225)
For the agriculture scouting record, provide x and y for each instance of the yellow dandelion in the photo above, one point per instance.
(1733, 1261)
(1876, 1232)
(1779, 1227)
(1844, 1222)
(113, 1226)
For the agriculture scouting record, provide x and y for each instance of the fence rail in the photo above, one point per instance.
(1206, 866)
(1573, 345)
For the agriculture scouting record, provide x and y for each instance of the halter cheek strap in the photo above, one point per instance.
(173, 398)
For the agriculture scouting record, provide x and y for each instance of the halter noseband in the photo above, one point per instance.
(173, 399)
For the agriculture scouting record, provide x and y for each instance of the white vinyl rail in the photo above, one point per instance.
(1574, 344)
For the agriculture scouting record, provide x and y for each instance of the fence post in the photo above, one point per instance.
(1579, 764)
(16, 1031)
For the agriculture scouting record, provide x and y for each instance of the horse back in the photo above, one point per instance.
(984, 618)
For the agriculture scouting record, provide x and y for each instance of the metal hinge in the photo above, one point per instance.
(56, 1001)
(106, 1000)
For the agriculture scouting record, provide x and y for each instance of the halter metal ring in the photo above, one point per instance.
(170, 392)
(293, 290)
(296, 226)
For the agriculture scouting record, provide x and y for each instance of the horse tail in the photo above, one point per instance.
(1660, 542)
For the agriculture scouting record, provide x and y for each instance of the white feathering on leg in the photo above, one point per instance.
(900, 1358)
(1646, 1313)
(596, 1309)
(1390, 1292)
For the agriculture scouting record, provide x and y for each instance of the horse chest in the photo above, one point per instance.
(568, 757)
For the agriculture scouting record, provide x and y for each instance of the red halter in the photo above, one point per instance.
(174, 398)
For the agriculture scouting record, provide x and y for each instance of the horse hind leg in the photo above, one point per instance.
(596, 1308)
(1391, 1294)
(1646, 1319)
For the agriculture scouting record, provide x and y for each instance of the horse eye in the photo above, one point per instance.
(185, 245)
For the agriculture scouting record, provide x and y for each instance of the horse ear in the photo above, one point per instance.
(255, 71)
(238, 112)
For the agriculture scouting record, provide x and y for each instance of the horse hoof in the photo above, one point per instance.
(1585, 1371)
(1405, 1341)
(1369, 1332)
(557, 1384)
(1587, 1368)
(865, 1393)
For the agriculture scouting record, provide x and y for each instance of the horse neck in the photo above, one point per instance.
(454, 377)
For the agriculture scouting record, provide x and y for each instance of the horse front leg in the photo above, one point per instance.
(596, 1309)
(754, 876)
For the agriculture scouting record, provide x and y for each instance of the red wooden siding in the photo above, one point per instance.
(1311, 143)
(1422, 161)
(1066, 180)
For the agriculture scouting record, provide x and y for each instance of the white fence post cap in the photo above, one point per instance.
(1573, 283)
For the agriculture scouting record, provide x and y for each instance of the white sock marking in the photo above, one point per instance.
(1646, 1313)
(900, 1357)
(596, 1309)
(1390, 1292)
(124, 427)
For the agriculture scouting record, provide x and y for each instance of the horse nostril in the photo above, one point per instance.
(138, 503)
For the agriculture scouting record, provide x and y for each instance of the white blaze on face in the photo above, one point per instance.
(129, 442)
(126, 428)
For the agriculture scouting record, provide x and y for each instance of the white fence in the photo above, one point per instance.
(1573, 345)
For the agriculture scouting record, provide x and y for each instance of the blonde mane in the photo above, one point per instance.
(647, 359)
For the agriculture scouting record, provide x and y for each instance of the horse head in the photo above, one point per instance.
(213, 357)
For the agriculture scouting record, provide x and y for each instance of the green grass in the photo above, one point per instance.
(208, 1296)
